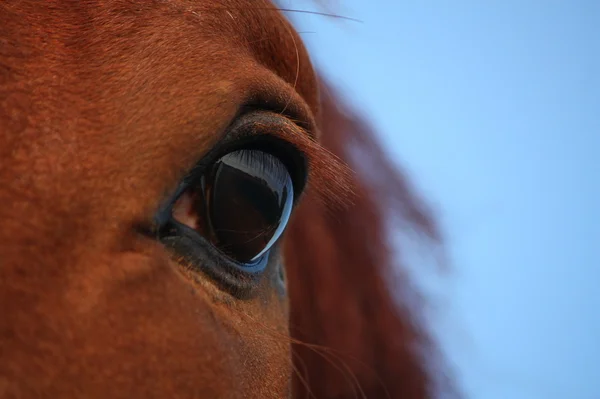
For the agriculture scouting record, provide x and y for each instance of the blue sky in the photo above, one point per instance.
(494, 109)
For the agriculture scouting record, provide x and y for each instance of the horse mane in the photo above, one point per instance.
(356, 318)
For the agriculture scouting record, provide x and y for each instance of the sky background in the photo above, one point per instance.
(493, 107)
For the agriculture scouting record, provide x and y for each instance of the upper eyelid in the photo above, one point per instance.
(256, 123)
(283, 101)
(302, 122)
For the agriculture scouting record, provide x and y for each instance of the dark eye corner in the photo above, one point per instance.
(238, 200)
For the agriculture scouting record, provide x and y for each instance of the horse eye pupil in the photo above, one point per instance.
(249, 199)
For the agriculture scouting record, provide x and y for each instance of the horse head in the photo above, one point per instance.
(178, 214)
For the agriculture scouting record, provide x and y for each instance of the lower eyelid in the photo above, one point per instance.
(196, 255)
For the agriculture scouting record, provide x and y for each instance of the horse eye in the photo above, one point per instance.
(241, 205)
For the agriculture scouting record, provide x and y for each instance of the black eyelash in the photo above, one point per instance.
(265, 163)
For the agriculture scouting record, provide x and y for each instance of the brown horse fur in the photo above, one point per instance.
(104, 106)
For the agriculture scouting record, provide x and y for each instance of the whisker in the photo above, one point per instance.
(323, 14)
(323, 352)
(297, 66)
(318, 13)
(301, 375)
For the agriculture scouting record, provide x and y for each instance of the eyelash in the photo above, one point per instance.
(197, 251)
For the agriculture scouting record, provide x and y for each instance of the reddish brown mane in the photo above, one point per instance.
(340, 289)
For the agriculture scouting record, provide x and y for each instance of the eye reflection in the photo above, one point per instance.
(242, 204)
